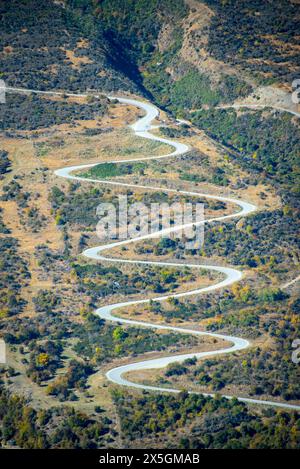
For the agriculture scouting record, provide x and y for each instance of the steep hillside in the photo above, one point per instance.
(193, 53)
(260, 38)
(46, 45)
(183, 53)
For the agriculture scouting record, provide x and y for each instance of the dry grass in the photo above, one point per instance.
(76, 61)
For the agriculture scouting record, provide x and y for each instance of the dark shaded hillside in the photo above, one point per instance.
(138, 24)
(45, 45)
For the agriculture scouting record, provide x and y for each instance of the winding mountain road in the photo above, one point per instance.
(116, 375)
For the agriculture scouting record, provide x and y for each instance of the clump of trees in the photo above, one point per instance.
(14, 191)
(46, 301)
(109, 170)
(45, 358)
(5, 163)
(74, 378)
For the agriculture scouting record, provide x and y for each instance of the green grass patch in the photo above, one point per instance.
(110, 170)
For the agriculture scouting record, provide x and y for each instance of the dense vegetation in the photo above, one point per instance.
(204, 422)
(121, 47)
(190, 421)
(36, 35)
(265, 144)
(103, 342)
(78, 208)
(44, 359)
(62, 427)
(109, 170)
(192, 90)
(136, 24)
(99, 281)
(257, 35)
(254, 243)
(74, 377)
(260, 372)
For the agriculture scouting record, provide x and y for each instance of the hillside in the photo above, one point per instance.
(46, 45)
(184, 53)
(191, 53)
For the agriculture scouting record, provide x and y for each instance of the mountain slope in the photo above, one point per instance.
(46, 45)
(193, 53)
